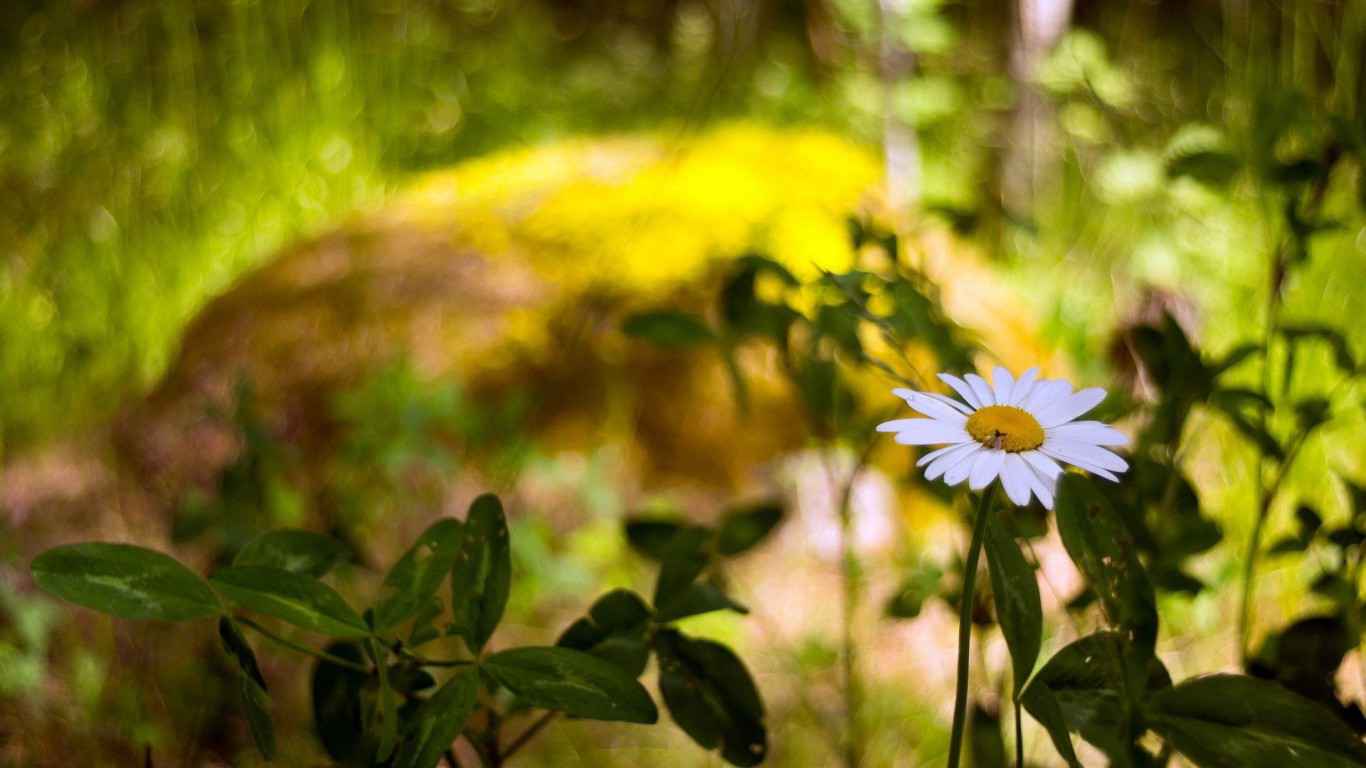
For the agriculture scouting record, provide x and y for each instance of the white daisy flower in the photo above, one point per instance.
(1017, 430)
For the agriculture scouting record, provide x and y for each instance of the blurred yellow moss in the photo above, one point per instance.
(639, 213)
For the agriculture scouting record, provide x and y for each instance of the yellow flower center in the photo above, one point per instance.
(1005, 427)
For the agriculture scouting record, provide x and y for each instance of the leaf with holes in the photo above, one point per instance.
(1016, 594)
(1100, 544)
(417, 575)
(294, 550)
(482, 576)
(123, 580)
(712, 697)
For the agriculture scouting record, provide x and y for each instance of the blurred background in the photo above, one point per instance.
(345, 265)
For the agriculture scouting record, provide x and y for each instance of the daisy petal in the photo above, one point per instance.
(960, 470)
(936, 453)
(1070, 407)
(929, 406)
(957, 406)
(1044, 394)
(956, 454)
(1046, 467)
(1092, 432)
(1003, 384)
(1015, 476)
(1092, 454)
(1023, 386)
(1042, 486)
(985, 468)
(962, 388)
(981, 388)
(931, 432)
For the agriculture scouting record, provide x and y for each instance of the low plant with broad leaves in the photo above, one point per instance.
(379, 700)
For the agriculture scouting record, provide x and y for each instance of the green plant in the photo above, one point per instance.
(379, 701)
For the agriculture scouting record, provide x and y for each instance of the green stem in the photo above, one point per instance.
(1019, 737)
(960, 699)
(293, 646)
(426, 662)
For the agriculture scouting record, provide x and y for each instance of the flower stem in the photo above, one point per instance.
(960, 700)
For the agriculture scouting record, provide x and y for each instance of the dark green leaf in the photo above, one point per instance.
(668, 328)
(1305, 657)
(416, 577)
(614, 630)
(986, 744)
(338, 709)
(651, 536)
(697, 598)
(916, 587)
(439, 721)
(256, 705)
(1336, 341)
(482, 576)
(1211, 167)
(235, 643)
(124, 580)
(1100, 544)
(385, 715)
(1094, 686)
(1252, 431)
(683, 560)
(290, 549)
(1043, 705)
(576, 683)
(1016, 593)
(742, 529)
(712, 697)
(298, 599)
(1230, 721)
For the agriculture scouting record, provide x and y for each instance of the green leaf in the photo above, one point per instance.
(124, 580)
(614, 630)
(651, 536)
(668, 328)
(1231, 721)
(338, 709)
(235, 643)
(576, 683)
(294, 550)
(1100, 544)
(482, 576)
(1043, 705)
(697, 598)
(385, 714)
(417, 575)
(1093, 687)
(744, 528)
(986, 744)
(683, 560)
(917, 586)
(1336, 341)
(1016, 592)
(711, 696)
(256, 705)
(298, 599)
(439, 720)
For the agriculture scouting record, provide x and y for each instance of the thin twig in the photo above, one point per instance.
(293, 646)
